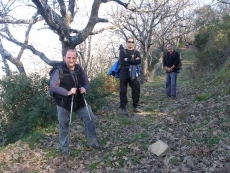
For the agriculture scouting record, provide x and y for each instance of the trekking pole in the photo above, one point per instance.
(86, 104)
(87, 107)
(70, 118)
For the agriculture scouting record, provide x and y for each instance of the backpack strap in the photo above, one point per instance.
(78, 69)
(60, 69)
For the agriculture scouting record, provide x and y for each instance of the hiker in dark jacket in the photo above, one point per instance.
(129, 59)
(73, 82)
(170, 61)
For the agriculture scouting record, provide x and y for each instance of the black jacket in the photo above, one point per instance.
(170, 60)
(125, 53)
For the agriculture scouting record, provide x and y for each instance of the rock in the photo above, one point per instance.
(159, 148)
(189, 161)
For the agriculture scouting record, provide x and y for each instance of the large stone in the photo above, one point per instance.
(159, 148)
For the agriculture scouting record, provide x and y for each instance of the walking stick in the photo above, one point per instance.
(87, 107)
(70, 118)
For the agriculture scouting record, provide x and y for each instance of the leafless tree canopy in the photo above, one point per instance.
(151, 22)
(155, 23)
(58, 17)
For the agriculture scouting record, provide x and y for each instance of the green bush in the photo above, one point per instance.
(209, 60)
(201, 38)
(100, 87)
(213, 45)
(25, 105)
(223, 75)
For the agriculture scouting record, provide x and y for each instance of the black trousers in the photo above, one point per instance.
(135, 87)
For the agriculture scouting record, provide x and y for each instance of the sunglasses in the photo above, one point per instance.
(130, 41)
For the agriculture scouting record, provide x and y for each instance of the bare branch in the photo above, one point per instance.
(6, 55)
(19, 21)
(62, 8)
(71, 8)
(104, 29)
(98, 31)
(117, 1)
(26, 37)
(31, 48)
(101, 20)
(54, 21)
(223, 1)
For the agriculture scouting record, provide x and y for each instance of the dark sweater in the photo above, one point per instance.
(125, 53)
(171, 59)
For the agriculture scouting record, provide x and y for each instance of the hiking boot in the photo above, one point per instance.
(137, 110)
(97, 147)
(124, 112)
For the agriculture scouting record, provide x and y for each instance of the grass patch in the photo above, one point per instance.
(125, 121)
(173, 161)
(93, 166)
(51, 152)
(138, 136)
(205, 137)
(32, 138)
(202, 97)
(135, 160)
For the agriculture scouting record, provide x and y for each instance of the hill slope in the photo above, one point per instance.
(195, 126)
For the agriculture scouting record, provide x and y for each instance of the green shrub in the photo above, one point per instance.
(25, 105)
(223, 75)
(100, 87)
(208, 60)
(202, 38)
(213, 45)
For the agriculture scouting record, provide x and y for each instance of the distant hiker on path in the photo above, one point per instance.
(129, 59)
(69, 89)
(170, 61)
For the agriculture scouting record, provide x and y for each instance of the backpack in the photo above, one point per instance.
(57, 65)
(179, 66)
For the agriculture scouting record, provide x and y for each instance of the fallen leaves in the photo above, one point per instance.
(197, 133)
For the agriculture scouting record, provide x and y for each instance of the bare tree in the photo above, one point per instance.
(154, 23)
(58, 16)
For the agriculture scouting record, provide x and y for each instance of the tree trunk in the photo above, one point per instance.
(144, 69)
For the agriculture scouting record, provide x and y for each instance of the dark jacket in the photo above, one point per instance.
(170, 60)
(61, 85)
(131, 55)
(125, 53)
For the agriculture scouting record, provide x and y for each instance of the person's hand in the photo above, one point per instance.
(137, 58)
(72, 91)
(82, 90)
(126, 59)
(168, 69)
